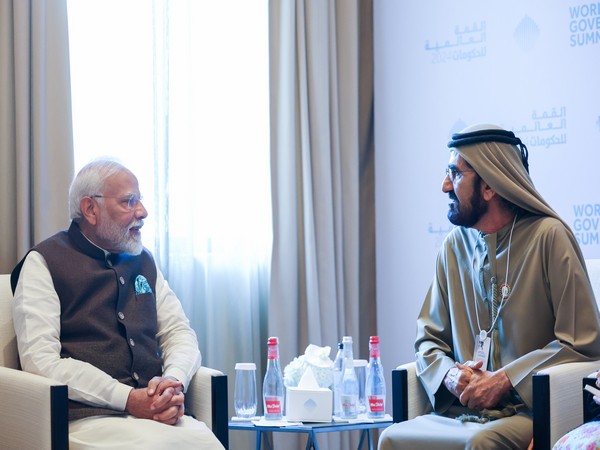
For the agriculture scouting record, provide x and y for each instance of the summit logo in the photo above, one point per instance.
(584, 25)
(527, 33)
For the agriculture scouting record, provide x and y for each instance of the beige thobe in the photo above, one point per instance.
(550, 317)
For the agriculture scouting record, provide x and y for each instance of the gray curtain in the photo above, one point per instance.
(36, 143)
(323, 263)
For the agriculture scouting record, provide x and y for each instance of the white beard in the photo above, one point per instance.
(120, 238)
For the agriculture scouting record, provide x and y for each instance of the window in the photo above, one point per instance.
(203, 105)
(178, 91)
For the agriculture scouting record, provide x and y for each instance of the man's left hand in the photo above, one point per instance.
(485, 389)
(157, 385)
(169, 399)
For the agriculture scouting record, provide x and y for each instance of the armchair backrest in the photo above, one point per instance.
(9, 356)
(593, 268)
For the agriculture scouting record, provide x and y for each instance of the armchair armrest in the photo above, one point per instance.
(558, 401)
(206, 400)
(409, 398)
(33, 412)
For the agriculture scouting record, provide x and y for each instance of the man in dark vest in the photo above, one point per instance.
(93, 311)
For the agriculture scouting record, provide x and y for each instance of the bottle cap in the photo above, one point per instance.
(374, 340)
(245, 366)
(347, 339)
(273, 341)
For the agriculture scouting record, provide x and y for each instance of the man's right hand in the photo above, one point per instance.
(457, 378)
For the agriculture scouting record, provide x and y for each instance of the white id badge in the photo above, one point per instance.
(482, 350)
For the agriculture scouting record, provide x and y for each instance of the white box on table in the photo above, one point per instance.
(309, 405)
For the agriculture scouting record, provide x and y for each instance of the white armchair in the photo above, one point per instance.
(34, 409)
(206, 400)
(557, 397)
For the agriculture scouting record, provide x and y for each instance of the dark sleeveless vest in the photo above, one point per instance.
(108, 310)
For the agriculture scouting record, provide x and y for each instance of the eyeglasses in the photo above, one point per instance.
(129, 202)
(453, 173)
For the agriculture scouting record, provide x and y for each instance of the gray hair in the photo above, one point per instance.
(90, 181)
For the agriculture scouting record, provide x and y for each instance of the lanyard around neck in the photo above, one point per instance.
(504, 291)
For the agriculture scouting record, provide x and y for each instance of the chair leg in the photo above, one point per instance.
(220, 410)
(59, 421)
(587, 400)
(399, 395)
(541, 411)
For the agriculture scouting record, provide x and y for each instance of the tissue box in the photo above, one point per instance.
(309, 405)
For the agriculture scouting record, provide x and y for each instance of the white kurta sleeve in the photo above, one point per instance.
(177, 340)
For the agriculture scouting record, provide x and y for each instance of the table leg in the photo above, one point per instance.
(365, 433)
(259, 435)
(269, 438)
(311, 441)
(362, 439)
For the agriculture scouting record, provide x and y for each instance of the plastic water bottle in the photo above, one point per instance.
(338, 366)
(375, 388)
(273, 383)
(349, 388)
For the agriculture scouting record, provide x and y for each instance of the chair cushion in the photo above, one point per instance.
(584, 437)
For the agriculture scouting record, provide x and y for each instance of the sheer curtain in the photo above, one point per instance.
(178, 90)
(217, 231)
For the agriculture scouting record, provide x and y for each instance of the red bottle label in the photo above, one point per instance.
(273, 405)
(376, 403)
